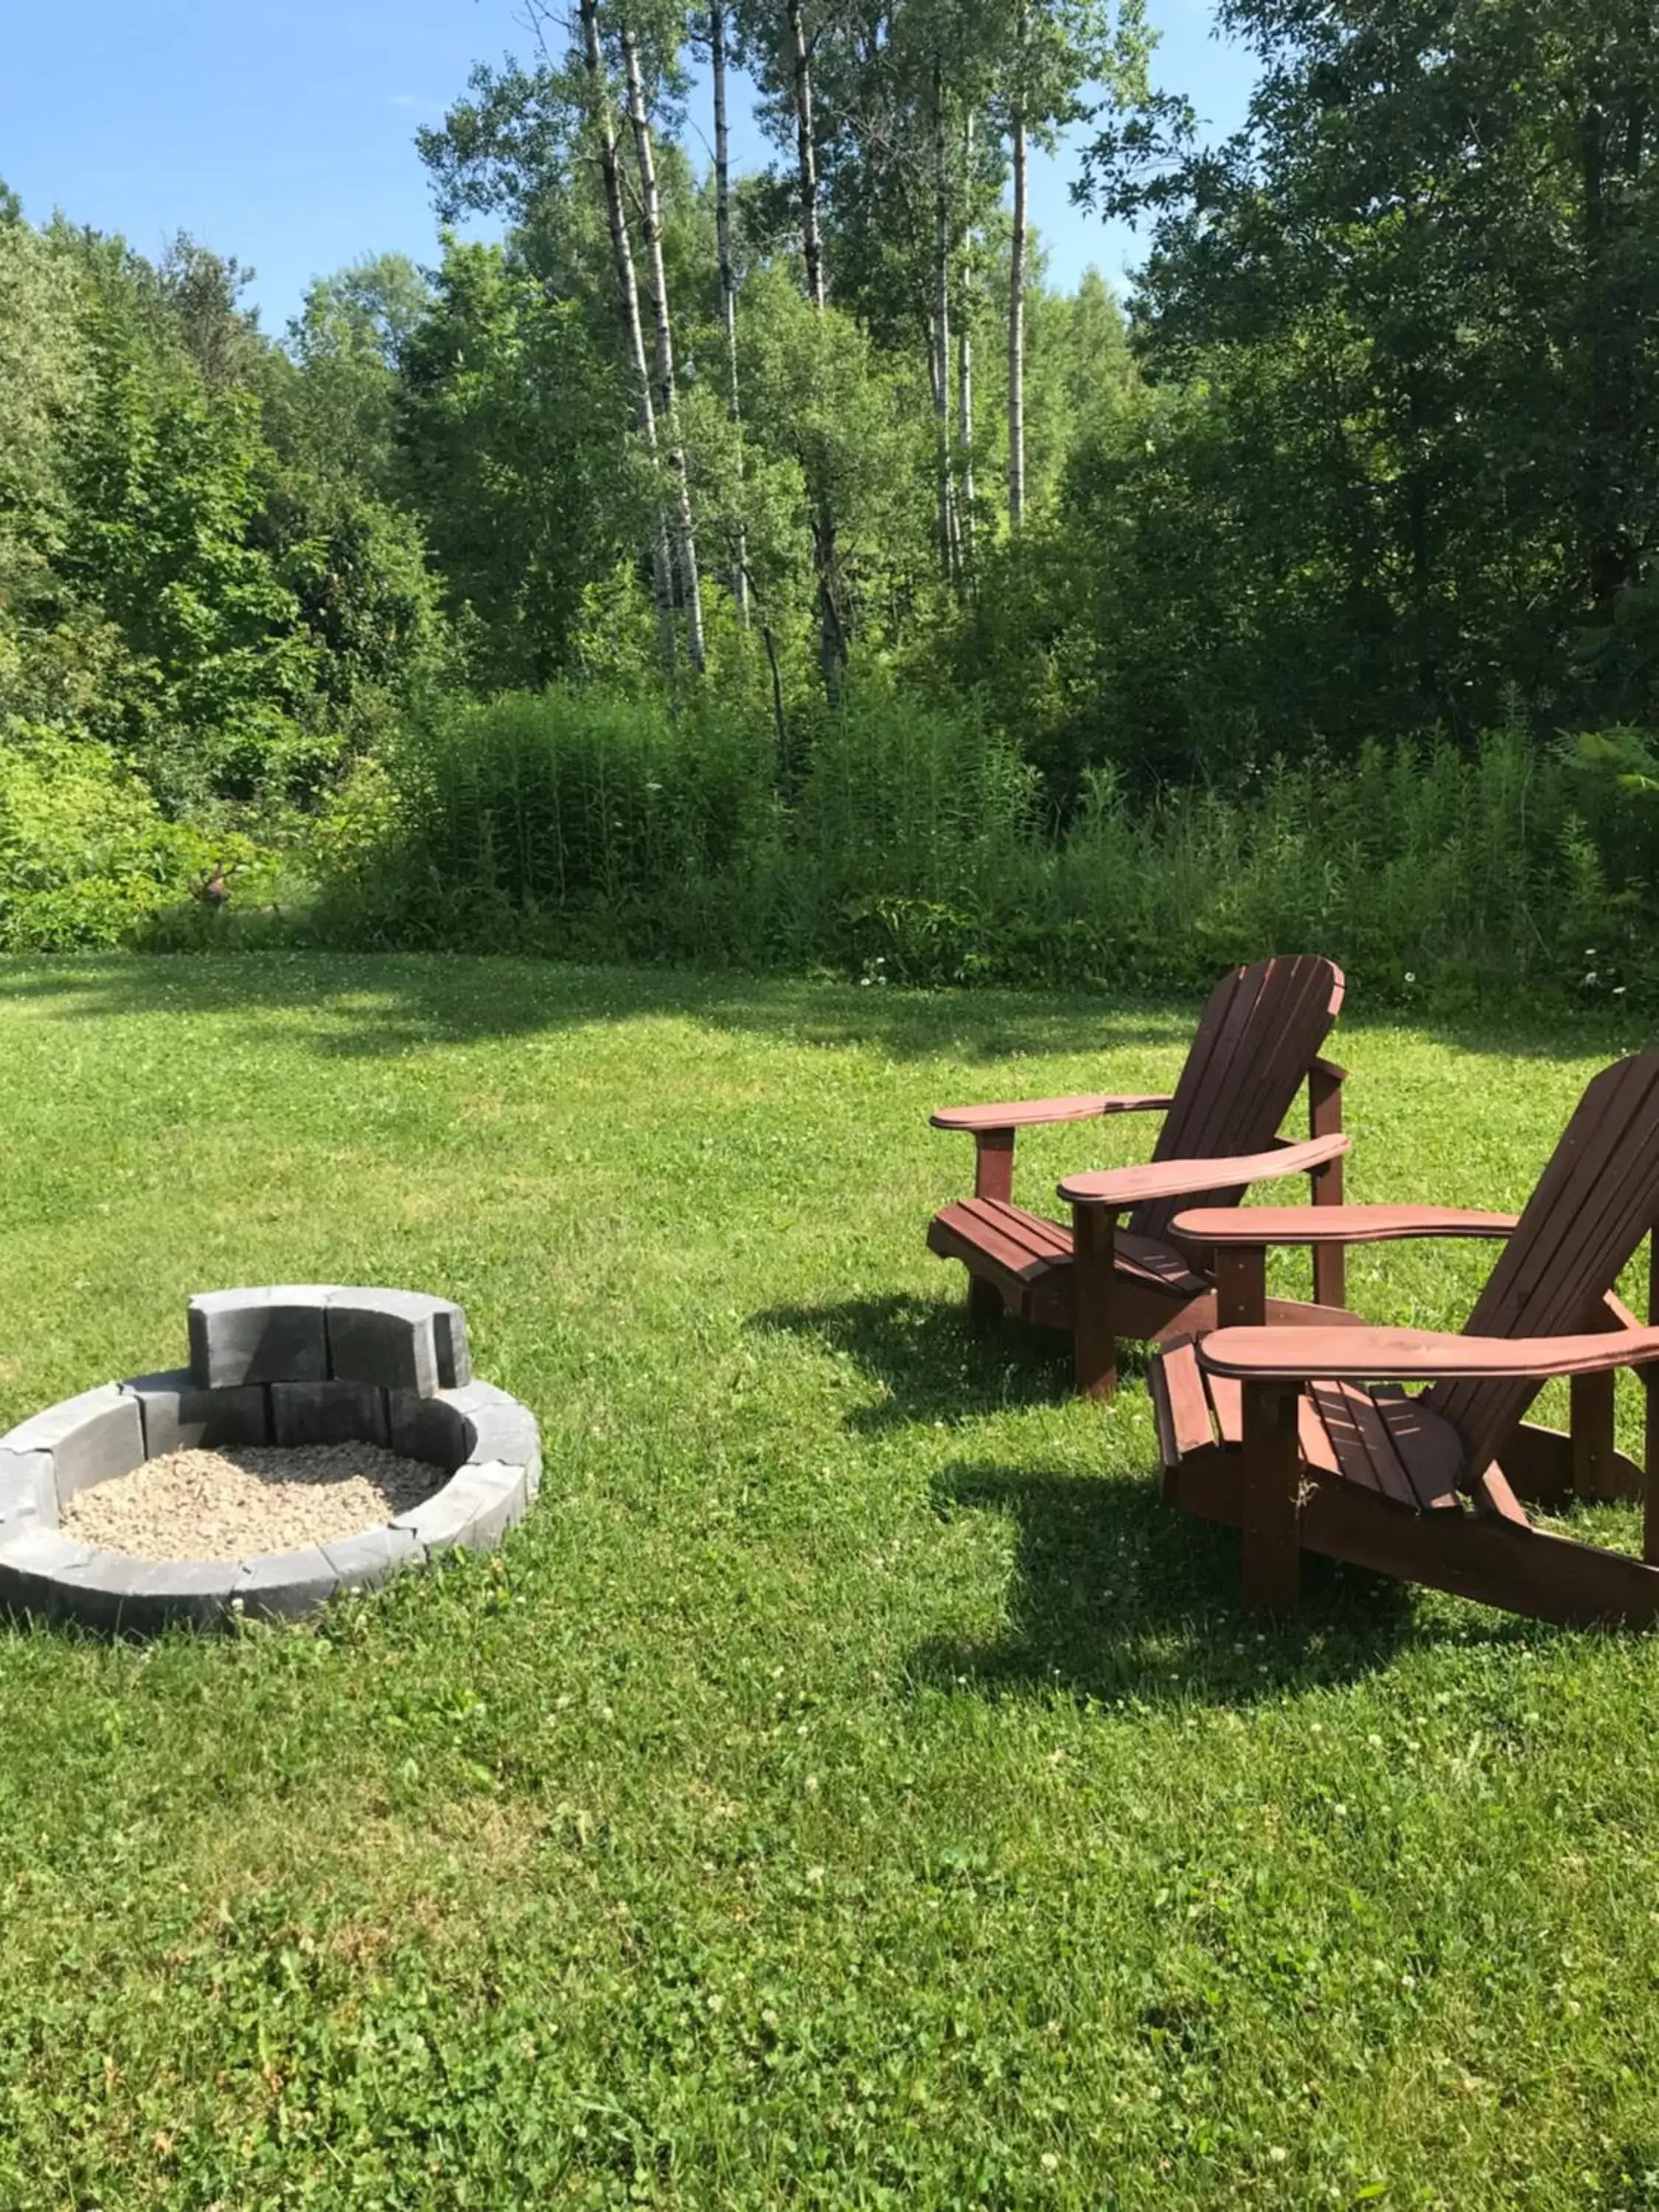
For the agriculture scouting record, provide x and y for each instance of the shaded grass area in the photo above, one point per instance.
(852, 1786)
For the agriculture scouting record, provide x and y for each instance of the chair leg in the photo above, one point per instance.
(984, 1303)
(1591, 1421)
(1271, 1477)
(1094, 1279)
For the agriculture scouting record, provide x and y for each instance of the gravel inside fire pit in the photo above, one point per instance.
(232, 1505)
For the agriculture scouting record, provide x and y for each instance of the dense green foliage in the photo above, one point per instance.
(181, 576)
(1416, 301)
(854, 1787)
(881, 601)
(916, 846)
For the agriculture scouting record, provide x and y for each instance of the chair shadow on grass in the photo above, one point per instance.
(1119, 1597)
(1115, 1594)
(929, 1363)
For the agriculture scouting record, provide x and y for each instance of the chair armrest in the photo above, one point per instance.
(1086, 1106)
(1333, 1224)
(1120, 1187)
(1402, 1355)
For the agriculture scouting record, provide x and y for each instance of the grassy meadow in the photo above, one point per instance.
(852, 1786)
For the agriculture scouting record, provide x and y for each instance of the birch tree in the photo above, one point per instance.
(666, 398)
(1017, 105)
(1057, 50)
(949, 548)
(784, 54)
(800, 65)
(717, 60)
(965, 375)
(628, 302)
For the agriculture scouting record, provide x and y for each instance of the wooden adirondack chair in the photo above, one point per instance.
(1257, 1043)
(1287, 1433)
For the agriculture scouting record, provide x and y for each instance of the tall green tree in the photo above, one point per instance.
(514, 427)
(1436, 241)
(1060, 53)
(332, 400)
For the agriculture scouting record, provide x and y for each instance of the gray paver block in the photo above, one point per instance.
(454, 1355)
(178, 1416)
(34, 1563)
(91, 1438)
(198, 1590)
(273, 1334)
(427, 1428)
(474, 1509)
(105, 1591)
(29, 1491)
(285, 1585)
(498, 1427)
(468, 1397)
(43, 1573)
(385, 1337)
(43, 1551)
(327, 1413)
(365, 1560)
(126, 1597)
(510, 1437)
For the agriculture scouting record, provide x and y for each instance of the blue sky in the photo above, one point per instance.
(283, 133)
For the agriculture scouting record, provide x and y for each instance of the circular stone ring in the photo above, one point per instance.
(290, 1364)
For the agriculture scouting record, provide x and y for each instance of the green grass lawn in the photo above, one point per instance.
(854, 1786)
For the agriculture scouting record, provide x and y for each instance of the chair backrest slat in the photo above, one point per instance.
(1259, 1035)
(1596, 1199)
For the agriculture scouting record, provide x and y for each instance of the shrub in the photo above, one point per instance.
(913, 827)
(569, 819)
(899, 839)
(85, 857)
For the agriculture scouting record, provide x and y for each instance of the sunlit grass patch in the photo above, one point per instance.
(853, 1786)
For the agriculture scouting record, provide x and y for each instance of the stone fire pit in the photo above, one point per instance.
(289, 1367)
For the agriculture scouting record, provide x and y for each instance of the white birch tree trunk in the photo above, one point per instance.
(965, 375)
(628, 307)
(832, 631)
(941, 348)
(666, 399)
(806, 157)
(728, 290)
(1017, 300)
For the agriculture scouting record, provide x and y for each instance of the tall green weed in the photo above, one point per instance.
(902, 841)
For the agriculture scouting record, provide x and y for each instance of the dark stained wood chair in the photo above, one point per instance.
(1256, 1044)
(1301, 1438)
